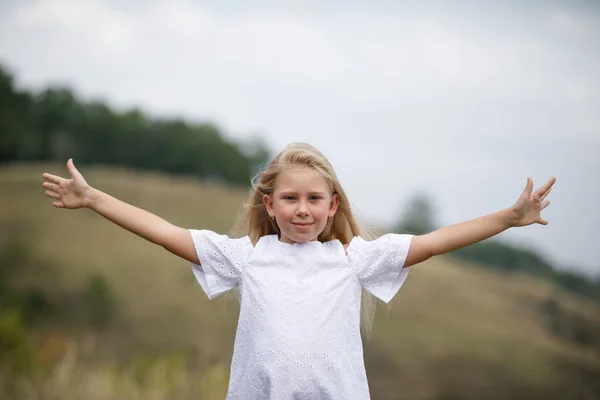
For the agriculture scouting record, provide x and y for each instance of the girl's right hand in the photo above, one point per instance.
(69, 193)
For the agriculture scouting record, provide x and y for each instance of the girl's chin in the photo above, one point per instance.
(297, 237)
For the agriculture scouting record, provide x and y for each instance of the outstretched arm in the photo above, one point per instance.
(525, 211)
(76, 193)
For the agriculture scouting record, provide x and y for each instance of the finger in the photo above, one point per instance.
(545, 204)
(52, 195)
(543, 222)
(72, 170)
(546, 194)
(542, 190)
(528, 188)
(50, 186)
(58, 204)
(52, 178)
(537, 195)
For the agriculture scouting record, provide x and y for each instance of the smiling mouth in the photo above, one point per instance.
(302, 223)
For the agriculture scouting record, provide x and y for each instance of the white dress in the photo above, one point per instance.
(298, 334)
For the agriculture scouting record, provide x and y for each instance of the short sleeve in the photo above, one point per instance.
(379, 263)
(221, 260)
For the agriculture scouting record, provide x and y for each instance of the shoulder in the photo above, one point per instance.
(216, 237)
(208, 239)
(384, 243)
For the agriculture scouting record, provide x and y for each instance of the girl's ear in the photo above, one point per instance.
(268, 201)
(335, 201)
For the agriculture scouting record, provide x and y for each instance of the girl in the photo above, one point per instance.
(300, 270)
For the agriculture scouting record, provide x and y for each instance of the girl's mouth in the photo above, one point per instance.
(302, 225)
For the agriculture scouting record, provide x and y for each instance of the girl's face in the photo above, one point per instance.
(301, 204)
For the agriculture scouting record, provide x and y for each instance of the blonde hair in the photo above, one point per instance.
(343, 226)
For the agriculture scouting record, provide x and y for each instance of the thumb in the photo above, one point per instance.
(72, 170)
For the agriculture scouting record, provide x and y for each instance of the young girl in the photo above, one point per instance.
(300, 270)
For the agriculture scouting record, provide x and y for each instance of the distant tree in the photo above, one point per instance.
(257, 151)
(54, 124)
(52, 116)
(496, 254)
(15, 131)
(418, 217)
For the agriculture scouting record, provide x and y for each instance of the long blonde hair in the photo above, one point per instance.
(343, 226)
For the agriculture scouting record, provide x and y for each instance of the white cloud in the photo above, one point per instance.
(67, 14)
(184, 20)
(576, 25)
(102, 28)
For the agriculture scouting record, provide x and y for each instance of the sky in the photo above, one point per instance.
(459, 100)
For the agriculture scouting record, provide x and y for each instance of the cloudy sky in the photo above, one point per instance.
(457, 101)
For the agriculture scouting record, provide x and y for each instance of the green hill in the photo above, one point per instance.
(454, 331)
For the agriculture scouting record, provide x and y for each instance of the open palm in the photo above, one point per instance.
(68, 193)
(530, 205)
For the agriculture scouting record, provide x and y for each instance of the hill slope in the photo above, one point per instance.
(453, 331)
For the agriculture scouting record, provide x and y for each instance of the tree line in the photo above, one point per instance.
(53, 125)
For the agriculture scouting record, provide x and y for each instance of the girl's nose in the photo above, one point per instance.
(302, 209)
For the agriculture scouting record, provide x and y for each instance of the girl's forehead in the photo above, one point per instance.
(304, 178)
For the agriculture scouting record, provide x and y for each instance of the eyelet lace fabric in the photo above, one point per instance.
(298, 334)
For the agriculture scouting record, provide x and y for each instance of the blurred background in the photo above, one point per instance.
(431, 113)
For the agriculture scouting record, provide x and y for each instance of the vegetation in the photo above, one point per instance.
(454, 331)
(54, 125)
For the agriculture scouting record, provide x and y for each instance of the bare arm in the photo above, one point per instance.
(526, 211)
(144, 224)
(76, 193)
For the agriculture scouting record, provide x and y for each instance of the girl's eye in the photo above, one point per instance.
(315, 197)
(289, 198)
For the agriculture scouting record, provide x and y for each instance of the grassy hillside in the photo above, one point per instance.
(453, 331)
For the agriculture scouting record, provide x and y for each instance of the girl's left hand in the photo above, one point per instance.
(529, 206)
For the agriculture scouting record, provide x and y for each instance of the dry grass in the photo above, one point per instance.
(73, 377)
(450, 318)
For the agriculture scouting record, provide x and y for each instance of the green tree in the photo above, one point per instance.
(54, 125)
(15, 127)
(418, 217)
